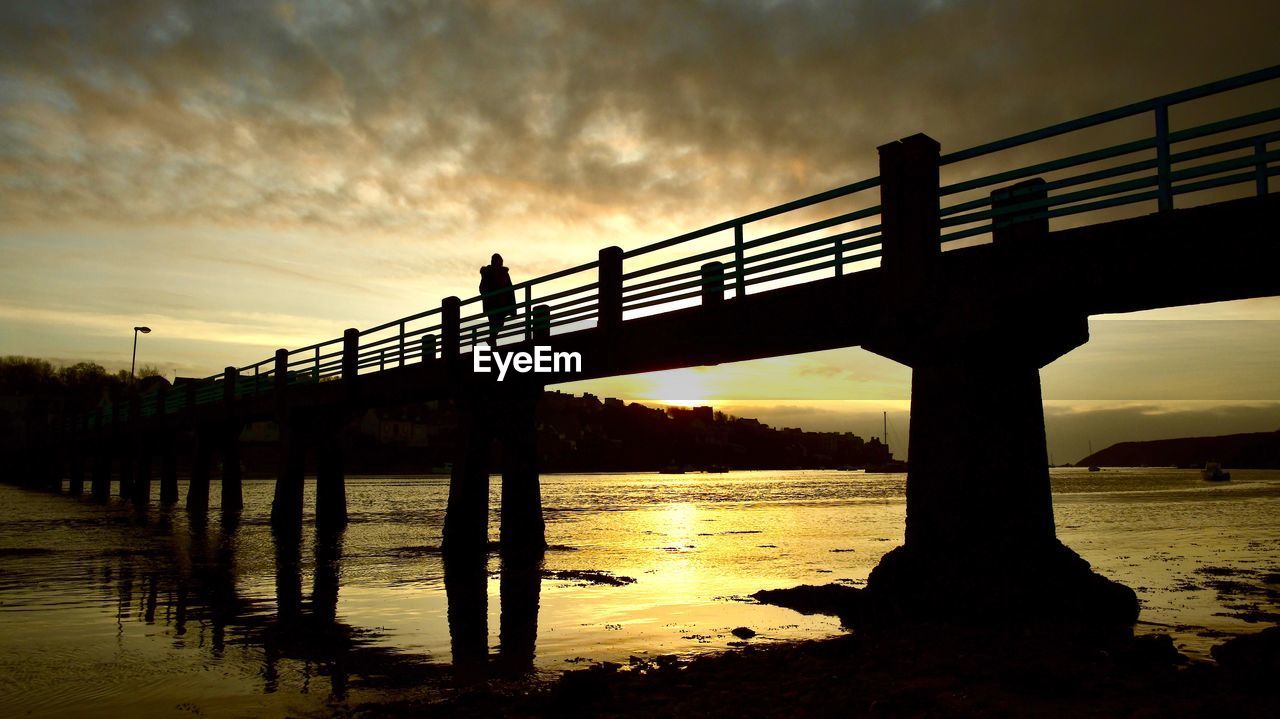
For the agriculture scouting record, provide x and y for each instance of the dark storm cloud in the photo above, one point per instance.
(449, 117)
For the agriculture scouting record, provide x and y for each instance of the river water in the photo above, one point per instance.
(105, 610)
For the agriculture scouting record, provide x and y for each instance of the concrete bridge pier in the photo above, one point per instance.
(141, 494)
(75, 473)
(125, 472)
(466, 519)
(100, 476)
(286, 504)
(169, 470)
(301, 429)
(505, 412)
(201, 459)
(326, 434)
(232, 492)
(522, 530)
(331, 484)
(980, 537)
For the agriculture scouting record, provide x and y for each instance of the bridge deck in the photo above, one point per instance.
(1128, 265)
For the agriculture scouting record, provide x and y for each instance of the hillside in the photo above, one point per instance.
(1256, 450)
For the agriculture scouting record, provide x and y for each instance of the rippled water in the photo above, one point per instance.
(105, 610)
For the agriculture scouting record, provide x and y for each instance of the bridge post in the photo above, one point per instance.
(909, 205)
(713, 284)
(330, 435)
(1013, 226)
(541, 322)
(120, 441)
(350, 356)
(522, 530)
(140, 486)
(609, 287)
(124, 468)
(450, 328)
(168, 452)
(466, 519)
(286, 505)
(428, 348)
(75, 483)
(142, 474)
(331, 485)
(201, 459)
(100, 479)
(1260, 176)
(232, 491)
(169, 469)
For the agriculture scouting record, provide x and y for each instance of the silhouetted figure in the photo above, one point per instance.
(501, 304)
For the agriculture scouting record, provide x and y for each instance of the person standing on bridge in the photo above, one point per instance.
(499, 298)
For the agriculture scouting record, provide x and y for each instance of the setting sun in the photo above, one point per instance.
(682, 387)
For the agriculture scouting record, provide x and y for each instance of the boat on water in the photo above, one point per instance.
(1095, 469)
(1213, 472)
(891, 465)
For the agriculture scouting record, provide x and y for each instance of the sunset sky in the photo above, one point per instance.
(242, 176)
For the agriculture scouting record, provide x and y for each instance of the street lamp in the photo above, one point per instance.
(133, 365)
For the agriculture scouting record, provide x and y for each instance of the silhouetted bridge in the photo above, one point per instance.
(975, 268)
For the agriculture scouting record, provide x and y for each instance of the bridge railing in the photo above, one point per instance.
(1136, 159)
(1214, 156)
(566, 300)
(822, 235)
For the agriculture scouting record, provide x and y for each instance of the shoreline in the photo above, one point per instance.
(907, 671)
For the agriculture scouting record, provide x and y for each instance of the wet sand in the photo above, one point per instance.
(105, 610)
(921, 671)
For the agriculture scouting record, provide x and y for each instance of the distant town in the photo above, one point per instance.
(575, 433)
(589, 434)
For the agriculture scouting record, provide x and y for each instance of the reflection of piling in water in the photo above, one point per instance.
(220, 581)
(153, 589)
(324, 605)
(125, 588)
(327, 576)
(520, 590)
(198, 487)
(466, 588)
(288, 574)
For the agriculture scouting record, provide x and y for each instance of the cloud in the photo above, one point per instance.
(341, 164)
(439, 119)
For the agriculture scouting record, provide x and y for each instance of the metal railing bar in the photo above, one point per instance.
(1082, 158)
(1241, 178)
(666, 300)
(663, 280)
(1124, 111)
(756, 216)
(393, 323)
(697, 282)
